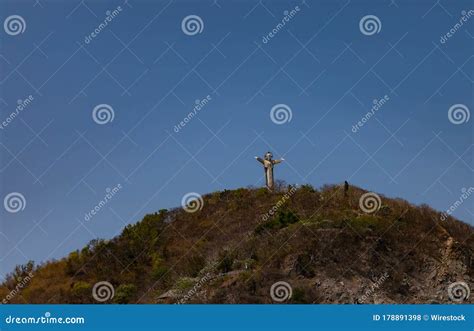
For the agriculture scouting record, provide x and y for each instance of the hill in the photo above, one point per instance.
(296, 245)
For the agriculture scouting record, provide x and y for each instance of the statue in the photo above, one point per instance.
(268, 164)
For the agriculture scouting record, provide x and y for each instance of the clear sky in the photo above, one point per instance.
(149, 70)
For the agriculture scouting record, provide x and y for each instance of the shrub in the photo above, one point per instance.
(125, 293)
(282, 220)
(158, 269)
(366, 222)
(298, 296)
(214, 198)
(261, 192)
(385, 210)
(287, 218)
(195, 264)
(73, 263)
(81, 292)
(307, 188)
(159, 272)
(226, 262)
(184, 283)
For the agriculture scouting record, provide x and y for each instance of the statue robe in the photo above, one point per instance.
(268, 167)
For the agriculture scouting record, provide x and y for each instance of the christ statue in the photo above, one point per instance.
(268, 164)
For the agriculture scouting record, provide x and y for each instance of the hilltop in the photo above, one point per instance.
(235, 245)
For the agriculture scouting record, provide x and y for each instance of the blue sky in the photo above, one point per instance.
(150, 72)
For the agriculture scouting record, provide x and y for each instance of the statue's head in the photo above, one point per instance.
(268, 156)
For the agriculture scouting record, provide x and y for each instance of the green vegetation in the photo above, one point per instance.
(81, 291)
(184, 283)
(298, 296)
(282, 220)
(125, 293)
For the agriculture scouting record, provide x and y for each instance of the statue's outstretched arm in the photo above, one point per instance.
(278, 161)
(259, 159)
